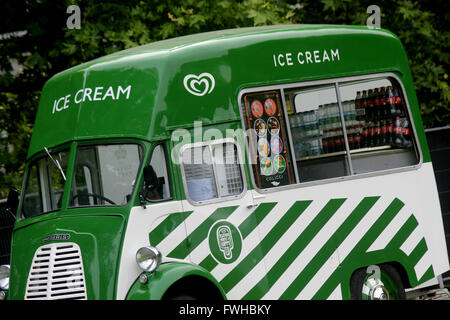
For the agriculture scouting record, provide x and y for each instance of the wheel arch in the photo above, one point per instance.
(196, 286)
(395, 270)
(396, 265)
(171, 278)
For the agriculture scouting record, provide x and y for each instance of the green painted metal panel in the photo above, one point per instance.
(99, 238)
(140, 92)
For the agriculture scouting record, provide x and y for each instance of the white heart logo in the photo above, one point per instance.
(199, 85)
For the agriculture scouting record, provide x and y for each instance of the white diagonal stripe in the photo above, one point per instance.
(275, 253)
(303, 259)
(412, 241)
(195, 219)
(336, 294)
(344, 249)
(391, 230)
(422, 265)
(173, 239)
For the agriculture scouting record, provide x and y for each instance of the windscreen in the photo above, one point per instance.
(104, 174)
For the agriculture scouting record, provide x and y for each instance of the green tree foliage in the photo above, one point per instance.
(423, 28)
(48, 46)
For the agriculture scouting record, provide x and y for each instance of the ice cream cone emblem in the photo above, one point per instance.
(225, 241)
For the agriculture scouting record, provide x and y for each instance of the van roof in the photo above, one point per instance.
(143, 92)
(195, 39)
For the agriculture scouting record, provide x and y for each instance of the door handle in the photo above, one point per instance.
(251, 205)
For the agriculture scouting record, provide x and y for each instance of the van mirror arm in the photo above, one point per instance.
(142, 199)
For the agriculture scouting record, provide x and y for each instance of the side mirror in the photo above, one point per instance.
(152, 190)
(12, 202)
(150, 178)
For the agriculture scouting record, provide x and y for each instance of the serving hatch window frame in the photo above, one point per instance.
(335, 82)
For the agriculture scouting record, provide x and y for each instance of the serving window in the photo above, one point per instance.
(378, 125)
(331, 130)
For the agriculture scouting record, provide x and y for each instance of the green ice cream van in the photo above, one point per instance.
(282, 162)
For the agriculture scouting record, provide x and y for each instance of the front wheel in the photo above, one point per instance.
(380, 282)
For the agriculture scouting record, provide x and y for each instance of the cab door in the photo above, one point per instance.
(222, 227)
(158, 221)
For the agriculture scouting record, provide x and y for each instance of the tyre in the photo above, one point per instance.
(380, 282)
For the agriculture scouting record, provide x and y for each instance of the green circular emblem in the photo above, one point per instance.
(225, 242)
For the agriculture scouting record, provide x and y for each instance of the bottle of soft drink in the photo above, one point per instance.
(365, 136)
(336, 115)
(390, 125)
(398, 102)
(357, 138)
(320, 115)
(325, 141)
(371, 134)
(378, 138)
(384, 133)
(337, 140)
(383, 103)
(331, 143)
(398, 137)
(358, 105)
(370, 107)
(346, 110)
(391, 101)
(350, 136)
(377, 104)
(341, 139)
(364, 114)
(406, 133)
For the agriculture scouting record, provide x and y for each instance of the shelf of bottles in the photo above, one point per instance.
(375, 120)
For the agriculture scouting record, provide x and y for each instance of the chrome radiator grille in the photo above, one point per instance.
(56, 273)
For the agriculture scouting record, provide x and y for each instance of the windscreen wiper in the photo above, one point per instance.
(56, 164)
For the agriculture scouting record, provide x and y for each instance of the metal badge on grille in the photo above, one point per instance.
(56, 273)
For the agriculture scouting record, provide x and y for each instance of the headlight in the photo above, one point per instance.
(4, 277)
(148, 258)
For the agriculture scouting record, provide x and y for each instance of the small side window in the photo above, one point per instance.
(157, 172)
(45, 185)
(212, 171)
(32, 202)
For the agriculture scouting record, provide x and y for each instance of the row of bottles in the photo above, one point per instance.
(379, 103)
(375, 118)
(368, 135)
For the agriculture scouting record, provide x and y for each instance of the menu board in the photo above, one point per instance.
(268, 141)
